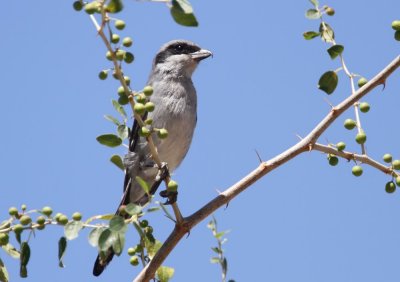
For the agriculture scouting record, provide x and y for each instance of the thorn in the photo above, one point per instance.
(298, 136)
(384, 84)
(227, 205)
(310, 146)
(328, 102)
(258, 155)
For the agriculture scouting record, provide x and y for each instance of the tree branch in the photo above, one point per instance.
(306, 144)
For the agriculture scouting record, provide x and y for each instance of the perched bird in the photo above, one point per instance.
(175, 102)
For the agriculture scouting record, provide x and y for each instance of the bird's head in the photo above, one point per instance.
(180, 57)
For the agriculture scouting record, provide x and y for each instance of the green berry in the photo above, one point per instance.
(77, 216)
(127, 42)
(92, 7)
(148, 90)
(162, 133)
(127, 80)
(129, 57)
(361, 138)
(116, 77)
(131, 251)
(396, 25)
(139, 108)
(25, 219)
(144, 131)
(4, 238)
(41, 227)
(364, 107)
(120, 54)
(172, 186)
(57, 216)
(47, 211)
(119, 24)
(109, 55)
(387, 158)
(114, 38)
(341, 146)
(397, 35)
(357, 170)
(13, 211)
(144, 223)
(398, 180)
(362, 81)
(148, 230)
(77, 6)
(134, 260)
(23, 207)
(18, 228)
(41, 220)
(141, 98)
(333, 160)
(103, 74)
(121, 91)
(330, 11)
(396, 164)
(138, 248)
(63, 219)
(149, 106)
(349, 124)
(149, 121)
(390, 187)
(123, 100)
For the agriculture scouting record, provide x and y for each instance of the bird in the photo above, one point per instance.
(175, 100)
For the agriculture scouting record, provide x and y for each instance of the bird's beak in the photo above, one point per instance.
(201, 55)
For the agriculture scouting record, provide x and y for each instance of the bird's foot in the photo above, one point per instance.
(171, 196)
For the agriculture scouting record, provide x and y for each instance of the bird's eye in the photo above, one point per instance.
(179, 47)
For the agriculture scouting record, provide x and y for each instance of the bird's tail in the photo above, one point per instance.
(101, 263)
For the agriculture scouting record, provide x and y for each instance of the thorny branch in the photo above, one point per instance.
(306, 144)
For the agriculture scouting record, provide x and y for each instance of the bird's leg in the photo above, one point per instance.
(163, 173)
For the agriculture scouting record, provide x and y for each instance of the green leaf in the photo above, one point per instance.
(313, 14)
(11, 250)
(109, 140)
(335, 51)
(328, 82)
(3, 272)
(214, 260)
(315, 3)
(117, 160)
(143, 184)
(112, 119)
(308, 35)
(119, 109)
(219, 234)
(132, 209)
(115, 6)
(123, 131)
(72, 228)
(106, 239)
(119, 243)
(165, 273)
(117, 224)
(151, 247)
(62, 247)
(327, 33)
(106, 216)
(24, 259)
(153, 209)
(217, 250)
(224, 265)
(182, 13)
(94, 236)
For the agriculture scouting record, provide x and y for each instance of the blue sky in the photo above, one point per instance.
(306, 221)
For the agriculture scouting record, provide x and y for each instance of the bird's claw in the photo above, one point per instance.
(172, 196)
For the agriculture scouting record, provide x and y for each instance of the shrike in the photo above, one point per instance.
(175, 102)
